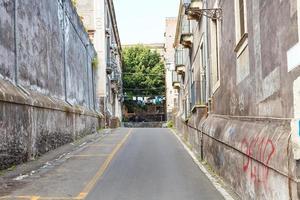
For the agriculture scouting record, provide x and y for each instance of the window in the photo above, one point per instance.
(241, 20)
(241, 49)
(202, 73)
(215, 49)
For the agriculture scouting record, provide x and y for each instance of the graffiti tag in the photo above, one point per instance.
(263, 149)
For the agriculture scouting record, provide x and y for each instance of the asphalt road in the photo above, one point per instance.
(130, 164)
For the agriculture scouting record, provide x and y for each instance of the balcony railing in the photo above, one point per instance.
(186, 38)
(180, 61)
(111, 65)
(175, 80)
(179, 57)
(186, 28)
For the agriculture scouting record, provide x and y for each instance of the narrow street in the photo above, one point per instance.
(129, 164)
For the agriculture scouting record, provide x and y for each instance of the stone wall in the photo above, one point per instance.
(254, 156)
(47, 81)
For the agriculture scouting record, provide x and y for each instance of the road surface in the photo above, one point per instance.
(129, 164)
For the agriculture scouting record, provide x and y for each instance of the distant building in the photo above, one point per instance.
(169, 58)
(100, 21)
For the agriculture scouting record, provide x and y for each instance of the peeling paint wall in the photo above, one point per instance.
(47, 81)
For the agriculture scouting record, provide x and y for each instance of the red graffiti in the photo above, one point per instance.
(260, 149)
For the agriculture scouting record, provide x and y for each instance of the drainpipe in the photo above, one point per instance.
(87, 73)
(298, 13)
(16, 41)
(207, 69)
(64, 51)
(190, 73)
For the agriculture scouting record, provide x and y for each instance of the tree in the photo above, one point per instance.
(143, 72)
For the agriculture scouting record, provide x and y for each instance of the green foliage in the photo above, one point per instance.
(170, 124)
(143, 72)
(95, 62)
(74, 2)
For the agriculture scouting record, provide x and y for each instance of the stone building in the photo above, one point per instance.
(171, 93)
(238, 71)
(100, 21)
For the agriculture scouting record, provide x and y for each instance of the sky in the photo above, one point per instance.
(143, 21)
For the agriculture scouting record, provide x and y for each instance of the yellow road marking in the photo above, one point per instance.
(83, 194)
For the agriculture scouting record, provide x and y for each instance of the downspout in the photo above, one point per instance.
(190, 72)
(298, 13)
(207, 72)
(16, 41)
(87, 73)
(207, 69)
(64, 50)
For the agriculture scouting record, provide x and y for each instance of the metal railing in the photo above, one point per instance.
(179, 57)
(175, 77)
(186, 27)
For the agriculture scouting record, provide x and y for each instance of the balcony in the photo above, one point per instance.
(194, 10)
(115, 77)
(186, 37)
(109, 68)
(111, 65)
(115, 80)
(175, 80)
(180, 61)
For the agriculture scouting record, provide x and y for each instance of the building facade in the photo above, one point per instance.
(171, 93)
(237, 66)
(100, 21)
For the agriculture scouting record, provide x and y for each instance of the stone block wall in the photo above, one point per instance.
(47, 81)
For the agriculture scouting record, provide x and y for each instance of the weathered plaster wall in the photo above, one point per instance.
(267, 90)
(47, 81)
(250, 137)
(7, 47)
